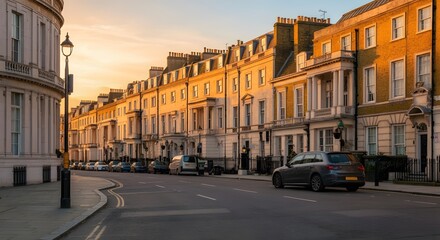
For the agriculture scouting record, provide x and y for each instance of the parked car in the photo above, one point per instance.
(81, 166)
(157, 166)
(90, 166)
(182, 164)
(74, 165)
(122, 167)
(321, 169)
(101, 166)
(112, 165)
(137, 167)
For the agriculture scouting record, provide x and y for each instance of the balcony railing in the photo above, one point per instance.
(334, 56)
(17, 67)
(288, 121)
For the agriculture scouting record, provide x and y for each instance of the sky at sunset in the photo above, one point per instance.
(116, 42)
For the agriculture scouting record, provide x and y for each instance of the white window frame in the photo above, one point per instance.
(369, 84)
(248, 80)
(299, 102)
(397, 80)
(173, 96)
(235, 117)
(370, 37)
(346, 42)
(220, 62)
(153, 125)
(17, 37)
(281, 105)
(301, 59)
(220, 117)
(398, 31)
(262, 77)
(325, 139)
(424, 77)
(219, 86)
(17, 123)
(206, 88)
(326, 47)
(196, 91)
(164, 99)
(235, 84)
(371, 141)
(424, 23)
(398, 139)
(248, 114)
(182, 93)
(261, 112)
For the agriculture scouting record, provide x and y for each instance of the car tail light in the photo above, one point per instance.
(361, 168)
(333, 167)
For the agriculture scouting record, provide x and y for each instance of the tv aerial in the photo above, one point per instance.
(323, 13)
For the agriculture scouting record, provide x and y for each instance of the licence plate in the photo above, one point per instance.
(351, 178)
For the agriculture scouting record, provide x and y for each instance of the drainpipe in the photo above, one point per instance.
(433, 56)
(238, 120)
(225, 122)
(187, 106)
(356, 93)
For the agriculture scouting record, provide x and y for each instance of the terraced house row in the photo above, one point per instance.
(366, 83)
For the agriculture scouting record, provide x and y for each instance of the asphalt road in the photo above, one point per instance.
(148, 206)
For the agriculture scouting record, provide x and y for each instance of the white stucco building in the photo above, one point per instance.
(30, 90)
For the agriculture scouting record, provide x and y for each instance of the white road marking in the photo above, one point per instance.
(119, 198)
(208, 185)
(93, 232)
(301, 199)
(100, 233)
(203, 196)
(160, 186)
(146, 192)
(429, 203)
(174, 212)
(243, 190)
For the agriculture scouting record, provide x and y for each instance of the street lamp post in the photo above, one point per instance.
(66, 48)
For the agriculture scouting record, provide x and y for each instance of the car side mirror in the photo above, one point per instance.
(288, 165)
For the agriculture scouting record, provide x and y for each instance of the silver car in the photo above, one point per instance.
(321, 169)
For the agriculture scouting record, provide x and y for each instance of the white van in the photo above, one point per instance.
(182, 164)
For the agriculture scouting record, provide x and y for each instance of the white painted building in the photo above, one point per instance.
(30, 90)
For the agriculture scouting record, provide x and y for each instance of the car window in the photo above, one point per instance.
(341, 158)
(191, 159)
(297, 160)
(309, 158)
(318, 158)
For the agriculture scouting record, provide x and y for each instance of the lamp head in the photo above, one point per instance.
(67, 46)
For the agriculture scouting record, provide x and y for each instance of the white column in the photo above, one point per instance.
(341, 91)
(313, 96)
(309, 97)
(26, 118)
(318, 94)
(205, 118)
(335, 90)
(3, 108)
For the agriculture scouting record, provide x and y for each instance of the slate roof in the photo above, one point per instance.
(365, 8)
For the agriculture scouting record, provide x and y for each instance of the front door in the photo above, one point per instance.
(423, 154)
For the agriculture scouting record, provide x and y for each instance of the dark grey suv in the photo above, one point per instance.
(321, 169)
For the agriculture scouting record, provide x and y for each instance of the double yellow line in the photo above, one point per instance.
(119, 198)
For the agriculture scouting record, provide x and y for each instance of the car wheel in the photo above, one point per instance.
(352, 188)
(154, 171)
(316, 183)
(277, 181)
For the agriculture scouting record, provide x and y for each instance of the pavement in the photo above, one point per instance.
(33, 211)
